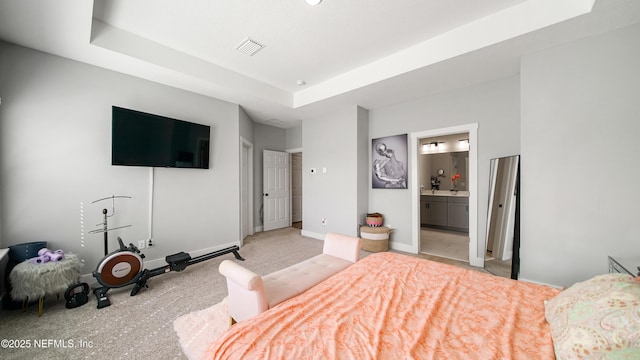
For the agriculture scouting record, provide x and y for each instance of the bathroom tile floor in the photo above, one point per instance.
(448, 244)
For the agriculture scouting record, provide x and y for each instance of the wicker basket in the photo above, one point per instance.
(375, 239)
(374, 219)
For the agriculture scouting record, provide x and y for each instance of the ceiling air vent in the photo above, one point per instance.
(249, 46)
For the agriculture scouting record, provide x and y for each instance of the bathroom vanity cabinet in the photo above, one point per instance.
(433, 210)
(447, 212)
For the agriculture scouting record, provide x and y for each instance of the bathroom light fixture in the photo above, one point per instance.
(313, 2)
(433, 146)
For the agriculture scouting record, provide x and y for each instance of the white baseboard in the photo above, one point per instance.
(312, 234)
(259, 229)
(408, 248)
(540, 283)
(156, 263)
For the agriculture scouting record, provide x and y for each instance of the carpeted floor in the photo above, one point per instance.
(142, 326)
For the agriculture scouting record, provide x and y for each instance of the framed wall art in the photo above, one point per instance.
(389, 162)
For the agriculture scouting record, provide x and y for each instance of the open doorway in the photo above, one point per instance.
(296, 190)
(475, 259)
(444, 196)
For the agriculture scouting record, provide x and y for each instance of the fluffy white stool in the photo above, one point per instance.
(30, 281)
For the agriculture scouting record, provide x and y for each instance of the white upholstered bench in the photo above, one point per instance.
(251, 294)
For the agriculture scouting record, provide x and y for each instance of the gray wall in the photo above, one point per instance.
(265, 138)
(246, 125)
(334, 141)
(495, 106)
(55, 159)
(294, 137)
(363, 167)
(580, 128)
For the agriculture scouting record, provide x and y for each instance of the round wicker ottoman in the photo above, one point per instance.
(375, 239)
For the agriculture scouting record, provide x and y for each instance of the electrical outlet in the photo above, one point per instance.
(324, 222)
(150, 244)
(141, 244)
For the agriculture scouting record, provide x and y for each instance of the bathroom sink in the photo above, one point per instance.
(445, 193)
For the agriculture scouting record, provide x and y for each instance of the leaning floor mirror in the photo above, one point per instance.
(502, 256)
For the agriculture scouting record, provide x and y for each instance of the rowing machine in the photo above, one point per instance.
(178, 262)
(124, 267)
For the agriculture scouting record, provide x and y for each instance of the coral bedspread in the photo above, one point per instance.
(391, 306)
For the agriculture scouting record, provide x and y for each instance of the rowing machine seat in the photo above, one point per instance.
(178, 261)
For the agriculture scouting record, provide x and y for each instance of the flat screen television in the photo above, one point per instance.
(142, 139)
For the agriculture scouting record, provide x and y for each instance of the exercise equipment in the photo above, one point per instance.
(125, 267)
(46, 255)
(76, 295)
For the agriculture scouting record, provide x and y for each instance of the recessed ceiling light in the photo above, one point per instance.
(301, 82)
(313, 2)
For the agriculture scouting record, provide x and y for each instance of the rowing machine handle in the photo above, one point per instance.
(136, 250)
(122, 247)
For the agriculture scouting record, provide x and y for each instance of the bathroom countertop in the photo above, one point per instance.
(445, 193)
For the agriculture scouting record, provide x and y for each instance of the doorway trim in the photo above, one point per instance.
(472, 129)
(246, 177)
(291, 152)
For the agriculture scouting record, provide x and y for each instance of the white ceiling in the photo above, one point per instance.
(371, 53)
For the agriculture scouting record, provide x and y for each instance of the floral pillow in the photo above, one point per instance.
(597, 319)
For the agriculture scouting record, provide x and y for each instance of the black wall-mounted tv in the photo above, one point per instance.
(142, 139)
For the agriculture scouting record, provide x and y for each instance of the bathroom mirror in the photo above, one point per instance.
(502, 255)
(441, 167)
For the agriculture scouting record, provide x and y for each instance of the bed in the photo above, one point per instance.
(392, 306)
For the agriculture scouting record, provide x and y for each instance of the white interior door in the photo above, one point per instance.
(275, 193)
